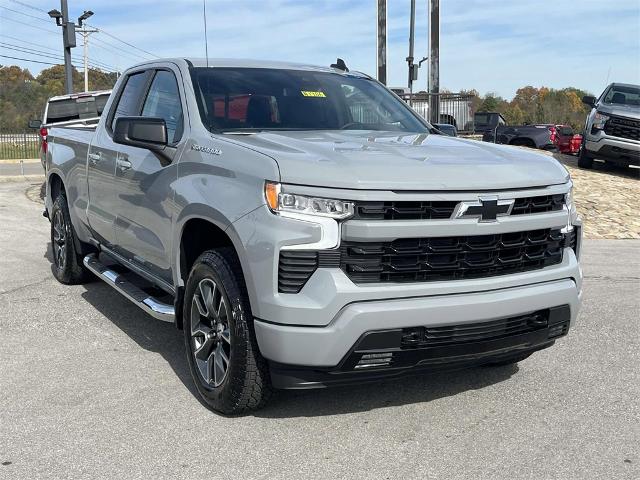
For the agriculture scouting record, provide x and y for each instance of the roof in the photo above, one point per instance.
(618, 84)
(248, 63)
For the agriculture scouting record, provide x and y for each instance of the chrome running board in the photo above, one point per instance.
(153, 307)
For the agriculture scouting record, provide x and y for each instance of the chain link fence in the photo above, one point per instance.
(19, 146)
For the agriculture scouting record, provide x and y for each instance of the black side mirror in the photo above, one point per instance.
(35, 124)
(141, 132)
(589, 100)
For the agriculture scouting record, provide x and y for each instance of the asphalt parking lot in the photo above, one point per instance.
(91, 387)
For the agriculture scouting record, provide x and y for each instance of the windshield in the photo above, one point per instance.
(237, 99)
(622, 95)
(79, 108)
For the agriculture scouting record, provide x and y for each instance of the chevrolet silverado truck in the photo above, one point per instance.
(612, 129)
(305, 228)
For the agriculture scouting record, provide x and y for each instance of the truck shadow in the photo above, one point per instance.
(600, 167)
(164, 339)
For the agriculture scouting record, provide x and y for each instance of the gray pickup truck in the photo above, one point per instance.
(305, 228)
(612, 129)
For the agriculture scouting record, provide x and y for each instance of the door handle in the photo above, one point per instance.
(95, 158)
(123, 164)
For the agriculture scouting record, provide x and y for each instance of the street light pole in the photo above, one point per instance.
(68, 41)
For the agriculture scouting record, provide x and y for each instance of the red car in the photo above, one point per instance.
(567, 141)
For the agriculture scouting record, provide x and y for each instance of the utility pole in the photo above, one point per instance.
(85, 32)
(382, 41)
(413, 71)
(68, 41)
(434, 61)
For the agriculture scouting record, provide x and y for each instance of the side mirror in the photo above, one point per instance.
(141, 132)
(589, 100)
(36, 124)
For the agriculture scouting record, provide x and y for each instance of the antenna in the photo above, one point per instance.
(206, 42)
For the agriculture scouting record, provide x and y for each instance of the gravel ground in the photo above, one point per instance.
(93, 388)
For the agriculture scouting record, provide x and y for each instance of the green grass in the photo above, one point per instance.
(19, 150)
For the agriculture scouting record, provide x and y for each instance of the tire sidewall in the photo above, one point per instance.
(222, 396)
(60, 207)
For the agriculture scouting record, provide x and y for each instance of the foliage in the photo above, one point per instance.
(539, 105)
(23, 97)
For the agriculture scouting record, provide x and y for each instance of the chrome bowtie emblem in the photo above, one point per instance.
(486, 209)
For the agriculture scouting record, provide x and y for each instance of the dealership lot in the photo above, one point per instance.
(94, 388)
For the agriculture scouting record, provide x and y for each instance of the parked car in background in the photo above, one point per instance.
(567, 141)
(75, 109)
(612, 129)
(487, 121)
(541, 136)
(447, 129)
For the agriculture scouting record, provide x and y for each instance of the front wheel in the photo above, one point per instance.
(225, 362)
(584, 159)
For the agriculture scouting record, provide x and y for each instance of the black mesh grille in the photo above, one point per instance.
(623, 128)
(451, 258)
(435, 210)
(474, 332)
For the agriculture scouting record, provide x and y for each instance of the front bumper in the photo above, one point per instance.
(606, 147)
(328, 346)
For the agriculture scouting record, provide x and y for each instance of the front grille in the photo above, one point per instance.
(437, 210)
(474, 332)
(623, 128)
(451, 258)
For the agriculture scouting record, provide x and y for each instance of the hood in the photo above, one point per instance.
(389, 161)
(628, 111)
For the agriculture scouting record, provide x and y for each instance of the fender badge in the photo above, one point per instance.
(209, 150)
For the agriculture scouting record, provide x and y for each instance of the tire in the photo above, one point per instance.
(67, 263)
(509, 360)
(218, 325)
(584, 159)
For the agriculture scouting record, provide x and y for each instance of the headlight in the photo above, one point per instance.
(279, 201)
(571, 210)
(599, 119)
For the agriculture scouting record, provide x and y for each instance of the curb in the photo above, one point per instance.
(12, 161)
(21, 178)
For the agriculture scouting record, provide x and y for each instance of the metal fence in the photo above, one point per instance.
(19, 145)
(454, 108)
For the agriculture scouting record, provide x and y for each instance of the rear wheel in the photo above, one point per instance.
(67, 263)
(229, 372)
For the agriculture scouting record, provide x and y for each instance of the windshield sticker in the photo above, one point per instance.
(306, 93)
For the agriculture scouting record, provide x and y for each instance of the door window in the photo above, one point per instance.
(163, 101)
(129, 101)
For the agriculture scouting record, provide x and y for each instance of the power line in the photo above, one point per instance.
(25, 14)
(135, 56)
(29, 6)
(32, 26)
(28, 60)
(31, 51)
(96, 63)
(122, 41)
(29, 43)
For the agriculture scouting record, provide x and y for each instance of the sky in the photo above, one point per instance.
(489, 45)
